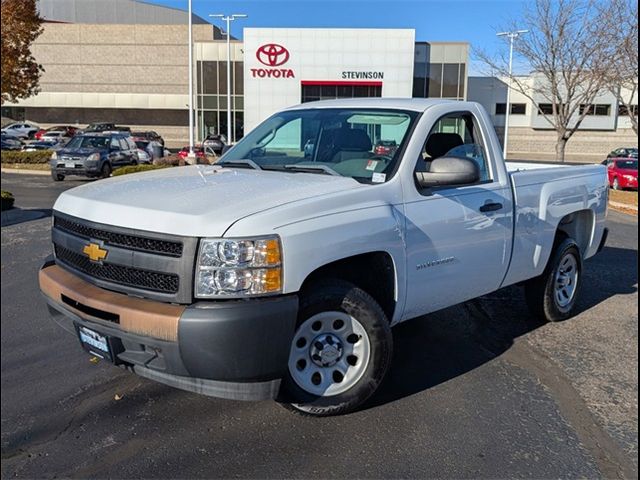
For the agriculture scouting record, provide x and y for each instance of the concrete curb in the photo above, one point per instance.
(623, 205)
(25, 171)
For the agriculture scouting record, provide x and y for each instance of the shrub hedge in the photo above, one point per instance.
(13, 156)
(7, 200)
(137, 168)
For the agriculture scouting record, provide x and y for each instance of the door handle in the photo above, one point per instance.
(491, 207)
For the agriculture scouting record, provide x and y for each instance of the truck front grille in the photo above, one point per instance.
(146, 264)
(128, 276)
(132, 242)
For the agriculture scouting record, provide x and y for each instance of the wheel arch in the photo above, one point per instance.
(374, 272)
(579, 226)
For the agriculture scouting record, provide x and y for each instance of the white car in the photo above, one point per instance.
(55, 136)
(20, 130)
(143, 156)
(275, 275)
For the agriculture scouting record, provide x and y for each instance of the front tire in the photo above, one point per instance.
(105, 171)
(340, 353)
(57, 177)
(552, 296)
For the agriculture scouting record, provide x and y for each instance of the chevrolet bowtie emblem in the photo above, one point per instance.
(94, 252)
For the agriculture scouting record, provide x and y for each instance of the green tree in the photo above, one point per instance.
(21, 25)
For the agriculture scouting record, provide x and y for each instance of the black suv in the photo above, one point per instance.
(93, 155)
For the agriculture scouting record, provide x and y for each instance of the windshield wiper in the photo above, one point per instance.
(311, 169)
(243, 163)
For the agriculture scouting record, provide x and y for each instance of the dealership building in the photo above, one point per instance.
(126, 61)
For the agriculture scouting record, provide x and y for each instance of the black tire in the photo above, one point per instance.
(57, 177)
(341, 296)
(105, 171)
(540, 292)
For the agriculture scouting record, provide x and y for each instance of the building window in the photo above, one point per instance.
(518, 109)
(330, 91)
(624, 111)
(547, 108)
(599, 110)
(435, 80)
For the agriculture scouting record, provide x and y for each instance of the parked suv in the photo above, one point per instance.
(93, 155)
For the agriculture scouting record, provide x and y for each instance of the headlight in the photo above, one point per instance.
(241, 267)
(54, 156)
(94, 157)
(629, 177)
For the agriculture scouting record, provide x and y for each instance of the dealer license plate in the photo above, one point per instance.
(94, 343)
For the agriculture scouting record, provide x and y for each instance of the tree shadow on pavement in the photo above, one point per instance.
(439, 347)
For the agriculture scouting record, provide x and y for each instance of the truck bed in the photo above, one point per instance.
(545, 194)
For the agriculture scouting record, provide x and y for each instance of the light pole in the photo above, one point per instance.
(512, 36)
(191, 153)
(229, 19)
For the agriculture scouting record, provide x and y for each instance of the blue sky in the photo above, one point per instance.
(474, 21)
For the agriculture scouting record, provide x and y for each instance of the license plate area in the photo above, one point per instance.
(99, 345)
(70, 164)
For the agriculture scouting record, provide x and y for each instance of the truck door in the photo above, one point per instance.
(458, 237)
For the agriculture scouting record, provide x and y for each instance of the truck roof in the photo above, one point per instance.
(414, 104)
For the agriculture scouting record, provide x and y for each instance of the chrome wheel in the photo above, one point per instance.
(329, 354)
(566, 280)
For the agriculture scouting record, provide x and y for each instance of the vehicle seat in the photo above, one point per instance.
(438, 144)
(350, 143)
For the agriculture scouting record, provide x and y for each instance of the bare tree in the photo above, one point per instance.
(620, 25)
(569, 59)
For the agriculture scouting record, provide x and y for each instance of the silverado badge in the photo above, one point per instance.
(94, 252)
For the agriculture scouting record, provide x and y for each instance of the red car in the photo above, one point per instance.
(199, 152)
(386, 148)
(623, 173)
(69, 130)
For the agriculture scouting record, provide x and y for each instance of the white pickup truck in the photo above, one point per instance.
(279, 272)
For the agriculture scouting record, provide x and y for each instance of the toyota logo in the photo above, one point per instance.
(272, 55)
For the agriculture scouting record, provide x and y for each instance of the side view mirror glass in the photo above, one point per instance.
(449, 171)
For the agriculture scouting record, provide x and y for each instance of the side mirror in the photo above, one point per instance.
(449, 171)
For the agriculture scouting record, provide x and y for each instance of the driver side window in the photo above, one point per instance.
(455, 135)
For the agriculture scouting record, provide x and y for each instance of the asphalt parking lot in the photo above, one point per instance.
(479, 390)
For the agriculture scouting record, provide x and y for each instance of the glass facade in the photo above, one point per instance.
(211, 95)
(438, 79)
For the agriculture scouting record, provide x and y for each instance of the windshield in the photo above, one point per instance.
(337, 141)
(627, 164)
(88, 142)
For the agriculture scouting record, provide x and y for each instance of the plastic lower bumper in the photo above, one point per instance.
(81, 171)
(227, 349)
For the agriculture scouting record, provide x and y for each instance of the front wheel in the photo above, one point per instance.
(57, 177)
(552, 296)
(105, 171)
(340, 352)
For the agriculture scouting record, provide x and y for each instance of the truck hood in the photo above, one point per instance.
(193, 201)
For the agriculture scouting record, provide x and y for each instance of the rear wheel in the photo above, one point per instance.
(340, 352)
(616, 184)
(552, 296)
